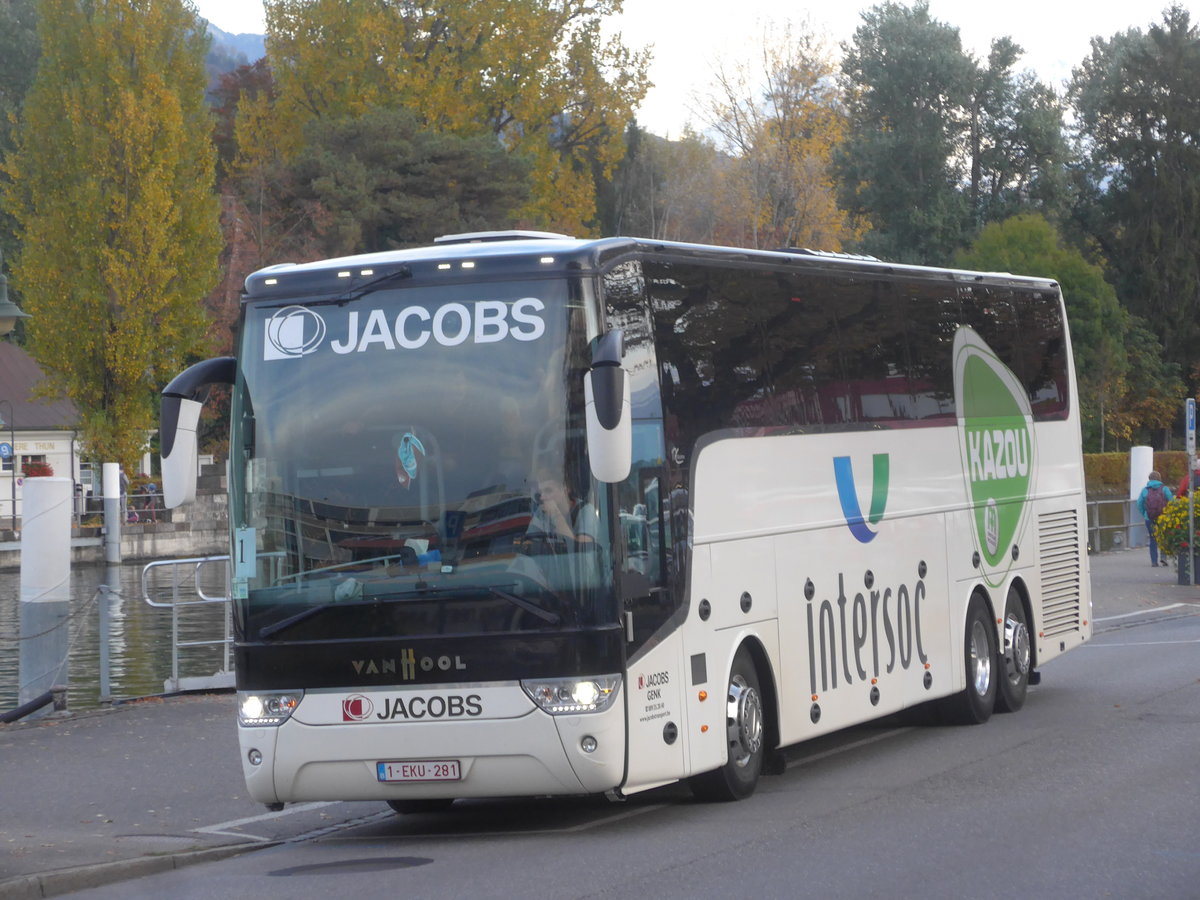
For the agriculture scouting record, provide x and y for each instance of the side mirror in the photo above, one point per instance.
(179, 415)
(608, 405)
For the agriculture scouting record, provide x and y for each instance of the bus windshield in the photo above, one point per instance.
(412, 462)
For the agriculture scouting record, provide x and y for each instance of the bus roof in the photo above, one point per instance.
(522, 253)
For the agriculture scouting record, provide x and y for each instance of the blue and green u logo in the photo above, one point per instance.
(844, 473)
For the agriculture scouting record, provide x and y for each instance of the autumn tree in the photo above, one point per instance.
(19, 53)
(1137, 101)
(780, 122)
(666, 190)
(248, 83)
(536, 75)
(119, 222)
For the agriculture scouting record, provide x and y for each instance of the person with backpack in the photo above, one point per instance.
(1150, 503)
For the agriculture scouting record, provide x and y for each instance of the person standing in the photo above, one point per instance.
(1183, 484)
(1150, 503)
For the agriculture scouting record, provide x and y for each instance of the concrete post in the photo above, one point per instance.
(114, 512)
(1141, 463)
(45, 586)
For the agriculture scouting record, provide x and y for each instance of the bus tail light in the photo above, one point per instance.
(267, 708)
(570, 696)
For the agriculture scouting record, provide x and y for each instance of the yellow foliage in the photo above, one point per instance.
(779, 190)
(119, 224)
(534, 73)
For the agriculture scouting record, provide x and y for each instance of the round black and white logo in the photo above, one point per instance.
(292, 332)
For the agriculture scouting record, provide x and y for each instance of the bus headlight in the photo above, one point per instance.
(267, 707)
(570, 696)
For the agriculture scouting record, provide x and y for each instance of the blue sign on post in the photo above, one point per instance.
(5, 450)
(1190, 430)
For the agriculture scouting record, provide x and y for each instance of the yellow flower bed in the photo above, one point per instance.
(1171, 529)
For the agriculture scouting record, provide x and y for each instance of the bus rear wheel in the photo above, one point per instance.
(974, 705)
(744, 734)
(1015, 656)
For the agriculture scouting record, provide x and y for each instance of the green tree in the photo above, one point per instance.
(111, 186)
(1123, 386)
(1137, 103)
(379, 182)
(940, 143)
(1018, 148)
(909, 86)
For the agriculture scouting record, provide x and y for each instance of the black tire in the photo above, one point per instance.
(1015, 661)
(744, 731)
(974, 704)
(413, 807)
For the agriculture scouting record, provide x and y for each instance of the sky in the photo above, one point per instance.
(689, 38)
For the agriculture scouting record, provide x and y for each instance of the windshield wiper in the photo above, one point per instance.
(545, 615)
(284, 624)
(351, 295)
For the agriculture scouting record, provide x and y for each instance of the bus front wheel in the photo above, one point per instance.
(1015, 658)
(744, 734)
(974, 705)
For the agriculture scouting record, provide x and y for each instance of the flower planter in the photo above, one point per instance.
(1183, 571)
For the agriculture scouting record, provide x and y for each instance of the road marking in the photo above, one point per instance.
(608, 820)
(1144, 643)
(222, 827)
(1143, 612)
(842, 748)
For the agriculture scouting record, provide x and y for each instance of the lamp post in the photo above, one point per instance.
(9, 313)
(12, 455)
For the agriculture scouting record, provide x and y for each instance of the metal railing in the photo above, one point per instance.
(187, 578)
(139, 508)
(1114, 524)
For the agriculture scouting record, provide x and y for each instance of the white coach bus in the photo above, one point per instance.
(516, 514)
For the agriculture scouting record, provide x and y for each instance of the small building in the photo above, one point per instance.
(33, 430)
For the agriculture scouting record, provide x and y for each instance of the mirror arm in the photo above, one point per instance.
(180, 411)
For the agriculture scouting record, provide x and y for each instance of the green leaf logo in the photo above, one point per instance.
(995, 427)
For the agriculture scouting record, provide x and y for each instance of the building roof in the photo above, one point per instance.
(19, 375)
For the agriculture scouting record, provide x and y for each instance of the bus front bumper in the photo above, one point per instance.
(529, 754)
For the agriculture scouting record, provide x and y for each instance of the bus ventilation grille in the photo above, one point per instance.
(1058, 541)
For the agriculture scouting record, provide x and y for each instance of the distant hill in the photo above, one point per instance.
(228, 51)
(250, 47)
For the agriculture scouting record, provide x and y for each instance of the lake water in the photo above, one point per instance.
(139, 634)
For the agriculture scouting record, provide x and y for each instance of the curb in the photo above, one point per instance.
(64, 881)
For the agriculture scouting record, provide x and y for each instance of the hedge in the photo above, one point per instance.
(1108, 473)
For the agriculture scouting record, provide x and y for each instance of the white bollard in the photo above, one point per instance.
(114, 511)
(45, 585)
(1141, 464)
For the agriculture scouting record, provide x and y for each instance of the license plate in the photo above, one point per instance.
(420, 770)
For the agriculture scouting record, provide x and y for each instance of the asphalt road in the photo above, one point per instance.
(1090, 791)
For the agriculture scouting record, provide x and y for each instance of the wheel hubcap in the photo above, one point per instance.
(981, 661)
(1016, 647)
(745, 721)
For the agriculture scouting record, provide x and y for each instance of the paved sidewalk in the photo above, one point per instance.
(151, 785)
(116, 793)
